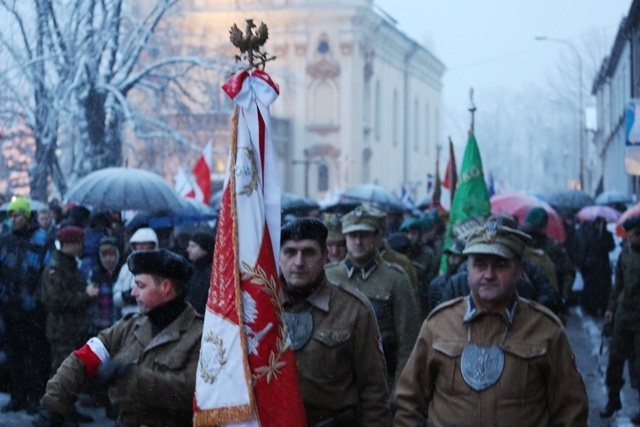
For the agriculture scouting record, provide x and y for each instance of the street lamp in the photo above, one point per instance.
(580, 104)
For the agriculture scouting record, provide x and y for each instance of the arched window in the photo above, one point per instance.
(323, 177)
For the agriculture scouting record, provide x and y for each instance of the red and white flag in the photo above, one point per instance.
(247, 373)
(202, 173)
(450, 181)
(186, 187)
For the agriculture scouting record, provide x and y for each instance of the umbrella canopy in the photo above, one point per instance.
(631, 212)
(519, 204)
(590, 213)
(375, 195)
(568, 202)
(612, 197)
(122, 189)
(340, 208)
(191, 212)
(33, 204)
(297, 205)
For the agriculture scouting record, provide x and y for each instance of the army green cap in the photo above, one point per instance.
(456, 248)
(363, 218)
(332, 221)
(496, 239)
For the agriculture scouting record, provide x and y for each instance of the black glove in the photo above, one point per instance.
(111, 370)
(47, 418)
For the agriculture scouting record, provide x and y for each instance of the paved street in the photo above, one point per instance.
(584, 333)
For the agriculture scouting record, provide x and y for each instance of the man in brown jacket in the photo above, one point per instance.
(148, 359)
(492, 358)
(334, 334)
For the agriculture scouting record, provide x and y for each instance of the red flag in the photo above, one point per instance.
(186, 187)
(247, 372)
(450, 180)
(437, 190)
(202, 173)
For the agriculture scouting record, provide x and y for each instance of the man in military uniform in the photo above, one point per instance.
(422, 256)
(492, 358)
(387, 252)
(430, 298)
(336, 242)
(334, 334)
(148, 359)
(385, 284)
(65, 294)
(624, 313)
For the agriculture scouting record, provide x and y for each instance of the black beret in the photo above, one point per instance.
(304, 228)
(162, 262)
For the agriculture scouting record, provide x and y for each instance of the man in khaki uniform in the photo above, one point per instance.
(387, 252)
(492, 358)
(334, 334)
(385, 284)
(148, 359)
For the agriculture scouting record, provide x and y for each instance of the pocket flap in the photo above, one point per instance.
(525, 350)
(450, 348)
(332, 337)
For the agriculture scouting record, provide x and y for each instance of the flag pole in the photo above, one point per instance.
(472, 109)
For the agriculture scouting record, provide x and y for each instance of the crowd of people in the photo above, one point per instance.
(91, 307)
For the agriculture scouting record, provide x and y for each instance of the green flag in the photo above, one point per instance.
(470, 205)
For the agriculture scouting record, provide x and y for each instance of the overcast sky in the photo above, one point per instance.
(489, 44)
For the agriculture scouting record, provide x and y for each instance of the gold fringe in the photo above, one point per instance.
(218, 416)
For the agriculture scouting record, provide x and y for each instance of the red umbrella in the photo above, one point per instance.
(519, 204)
(590, 213)
(631, 212)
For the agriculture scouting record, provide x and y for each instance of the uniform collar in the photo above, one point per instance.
(318, 298)
(361, 272)
(474, 310)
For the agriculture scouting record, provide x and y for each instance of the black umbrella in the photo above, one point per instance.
(123, 189)
(375, 195)
(297, 205)
(192, 212)
(568, 202)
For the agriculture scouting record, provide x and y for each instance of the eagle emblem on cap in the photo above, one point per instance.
(357, 213)
(491, 230)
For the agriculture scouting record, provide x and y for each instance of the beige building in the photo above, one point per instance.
(359, 102)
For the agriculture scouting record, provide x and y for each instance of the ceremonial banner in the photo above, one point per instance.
(246, 372)
(470, 205)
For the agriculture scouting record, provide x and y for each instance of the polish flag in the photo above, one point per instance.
(202, 173)
(247, 373)
(450, 181)
(186, 187)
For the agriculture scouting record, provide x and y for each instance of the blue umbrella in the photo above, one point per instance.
(192, 212)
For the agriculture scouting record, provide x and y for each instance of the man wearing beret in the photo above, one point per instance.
(386, 285)
(65, 294)
(148, 359)
(334, 334)
(421, 255)
(492, 358)
(24, 250)
(623, 310)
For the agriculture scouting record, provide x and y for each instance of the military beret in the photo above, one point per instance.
(399, 242)
(537, 217)
(70, 234)
(206, 240)
(333, 224)
(496, 239)
(363, 218)
(631, 223)
(456, 248)
(162, 262)
(410, 224)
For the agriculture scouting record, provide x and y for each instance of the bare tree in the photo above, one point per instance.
(70, 67)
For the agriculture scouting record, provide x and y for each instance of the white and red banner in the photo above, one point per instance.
(246, 373)
(202, 173)
(450, 181)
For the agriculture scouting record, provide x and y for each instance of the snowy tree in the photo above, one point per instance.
(69, 68)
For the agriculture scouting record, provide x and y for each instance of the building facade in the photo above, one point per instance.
(361, 100)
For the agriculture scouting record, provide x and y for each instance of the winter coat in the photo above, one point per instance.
(158, 387)
(198, 286)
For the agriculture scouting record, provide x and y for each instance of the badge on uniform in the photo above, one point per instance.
(481, 366)
(299, 328)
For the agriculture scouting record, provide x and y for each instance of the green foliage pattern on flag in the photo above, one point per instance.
(470, 204)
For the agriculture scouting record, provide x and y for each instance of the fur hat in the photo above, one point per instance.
(162, 262)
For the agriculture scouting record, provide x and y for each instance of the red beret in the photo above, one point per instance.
(70, 234)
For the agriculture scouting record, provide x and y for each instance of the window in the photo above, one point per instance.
(376, 117)
(323, 177)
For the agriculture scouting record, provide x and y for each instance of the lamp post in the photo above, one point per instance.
(580, 105)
